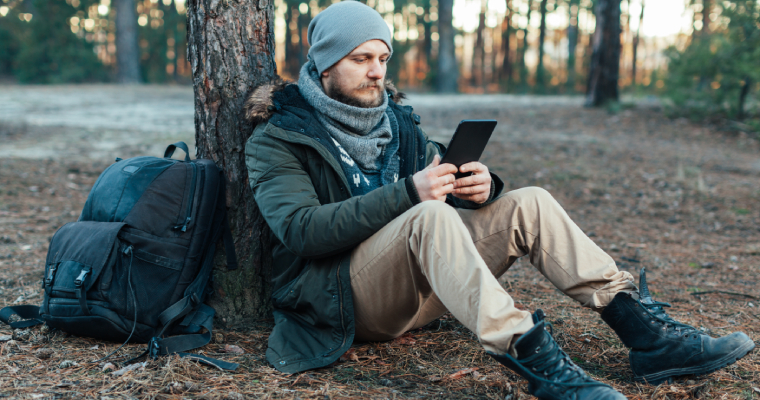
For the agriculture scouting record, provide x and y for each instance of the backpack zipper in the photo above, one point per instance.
(183, 223)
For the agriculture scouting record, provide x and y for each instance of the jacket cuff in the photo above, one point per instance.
(411, 190)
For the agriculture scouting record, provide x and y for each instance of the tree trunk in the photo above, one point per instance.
(572, 42)
(706, 8)
(127, 51)
(231, 51)
(742, 97)
(540, 73)
(448, 72)
(505, 74)
(605, 59)
(636, 44)
(523, 67)
(477, 75)
(427, 44)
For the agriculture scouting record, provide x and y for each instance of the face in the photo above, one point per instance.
(357, 79)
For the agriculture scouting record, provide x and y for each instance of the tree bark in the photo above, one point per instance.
(448, 71)
(605, 59)
(572, 42)
(742, 97)
(127, 51)
(231, 51)
(477, 75)
(505, 74)
(636, 44)
(523, 67)
(540, 73)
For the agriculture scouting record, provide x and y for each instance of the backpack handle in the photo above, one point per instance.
(170, 150)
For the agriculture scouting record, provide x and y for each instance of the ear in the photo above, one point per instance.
(326, 73)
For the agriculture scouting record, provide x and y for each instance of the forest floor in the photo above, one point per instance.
(677, 198)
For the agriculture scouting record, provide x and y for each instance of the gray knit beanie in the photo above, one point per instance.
(342, 27)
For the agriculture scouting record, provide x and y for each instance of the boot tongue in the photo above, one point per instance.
(644, 295)
(535, 338)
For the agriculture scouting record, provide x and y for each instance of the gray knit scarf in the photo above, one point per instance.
(362, 132)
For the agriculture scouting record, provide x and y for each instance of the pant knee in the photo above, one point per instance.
(434, 211)
(532, 195)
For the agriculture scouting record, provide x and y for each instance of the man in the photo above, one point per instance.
(373, 236)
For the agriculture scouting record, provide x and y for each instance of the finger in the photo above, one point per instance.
(472, 180)
(474, 167)
(448, 179)
(445, 169)
(444, 190)
(472, 190)
(436, 161)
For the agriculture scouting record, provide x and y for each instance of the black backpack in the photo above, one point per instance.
(137, 265)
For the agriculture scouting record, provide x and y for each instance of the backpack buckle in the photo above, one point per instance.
(51, 275)
(153, 348)
(80, 279)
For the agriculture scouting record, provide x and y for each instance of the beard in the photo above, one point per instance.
(343, 95)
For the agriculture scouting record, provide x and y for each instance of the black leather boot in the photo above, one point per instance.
(550, 373)
(662, 348)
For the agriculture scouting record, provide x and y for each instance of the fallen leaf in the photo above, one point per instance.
(756, 389)
(93, 347)
(434, 378)
(461, 373)
(44, 353)
(405, 339)
(129, 368)
(5, 338)
(231, 348)
(349, 355)
(108, 367)
(67, 364)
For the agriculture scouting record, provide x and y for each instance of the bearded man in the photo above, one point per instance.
(373, 236)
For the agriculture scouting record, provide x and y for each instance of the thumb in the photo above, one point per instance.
(435, 163)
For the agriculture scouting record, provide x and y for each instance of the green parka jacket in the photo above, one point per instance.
(304, 197)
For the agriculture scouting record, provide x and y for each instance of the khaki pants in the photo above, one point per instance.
(435, 258)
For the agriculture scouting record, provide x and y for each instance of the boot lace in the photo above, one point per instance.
(657, 311)
(557, 367)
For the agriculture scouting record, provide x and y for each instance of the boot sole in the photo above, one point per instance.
(659, 377)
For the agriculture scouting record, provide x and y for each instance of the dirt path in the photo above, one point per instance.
(677, 198)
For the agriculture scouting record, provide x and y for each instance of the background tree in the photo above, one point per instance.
(49, 52)
(605, 59)
(636, 44)
(127, 52)
(572, 41)
(231, 51)
(540, 70)
(717, 72)
(448, 71)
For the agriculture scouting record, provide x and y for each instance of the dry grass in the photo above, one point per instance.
(632, 187)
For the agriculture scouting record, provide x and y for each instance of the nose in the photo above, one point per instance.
(376, 70)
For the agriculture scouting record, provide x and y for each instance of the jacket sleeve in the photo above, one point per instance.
(497, 186)
(287, 199)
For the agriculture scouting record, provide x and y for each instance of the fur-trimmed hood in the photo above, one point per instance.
(260, 104)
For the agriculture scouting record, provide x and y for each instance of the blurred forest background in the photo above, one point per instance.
(708, 68)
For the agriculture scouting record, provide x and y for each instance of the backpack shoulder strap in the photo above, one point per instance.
(29, 314)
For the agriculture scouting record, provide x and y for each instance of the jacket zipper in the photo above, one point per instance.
(183, 223)
(340, 307)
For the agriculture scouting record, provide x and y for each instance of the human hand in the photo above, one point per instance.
(476, 187)
(435, 181)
